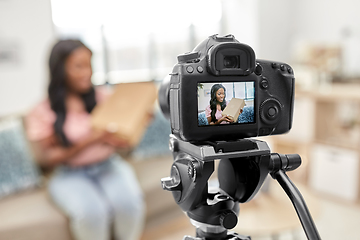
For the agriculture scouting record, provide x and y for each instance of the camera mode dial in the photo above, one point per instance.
(270, 111)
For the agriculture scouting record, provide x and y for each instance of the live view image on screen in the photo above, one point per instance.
(225, 103)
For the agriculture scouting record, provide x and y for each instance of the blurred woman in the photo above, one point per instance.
(92, 185)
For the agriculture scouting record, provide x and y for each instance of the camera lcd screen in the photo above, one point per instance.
(225, 103)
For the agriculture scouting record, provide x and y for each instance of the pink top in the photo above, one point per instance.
(77, 127)
(217, 114)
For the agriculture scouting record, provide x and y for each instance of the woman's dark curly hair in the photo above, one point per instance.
(214, 102)
(57, 88)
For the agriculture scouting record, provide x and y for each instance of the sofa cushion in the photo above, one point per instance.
(155, 142)
(32, 216)
(18, 170)
(247, 116)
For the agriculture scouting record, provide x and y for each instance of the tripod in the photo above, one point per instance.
(243, 167)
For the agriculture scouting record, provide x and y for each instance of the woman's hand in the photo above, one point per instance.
(226, 118)
(107, 137)
(97, 136)
(115, 141)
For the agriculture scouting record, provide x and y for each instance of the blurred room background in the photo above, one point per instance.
(138, 40)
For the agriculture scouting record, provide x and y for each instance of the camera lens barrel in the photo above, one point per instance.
(163, 96)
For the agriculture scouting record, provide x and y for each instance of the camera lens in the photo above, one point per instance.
(231, 62)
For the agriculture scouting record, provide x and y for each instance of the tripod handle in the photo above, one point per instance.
(279, 164)
(299, 204)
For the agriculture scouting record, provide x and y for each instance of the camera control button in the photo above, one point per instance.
(274, 65)
(189, 69)
(290, 70)
(258, 69)
(282, 67)
(264, 83)
(200, 69)
(272, 112)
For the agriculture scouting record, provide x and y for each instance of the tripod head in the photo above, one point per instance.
(244, 165)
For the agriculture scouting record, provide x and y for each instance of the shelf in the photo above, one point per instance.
(332, 92)
(326, 134)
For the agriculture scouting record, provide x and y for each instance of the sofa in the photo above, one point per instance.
(247, 116)
(27, 212)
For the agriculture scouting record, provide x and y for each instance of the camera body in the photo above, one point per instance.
(266, 88)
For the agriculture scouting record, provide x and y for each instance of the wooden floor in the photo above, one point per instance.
(172, 226)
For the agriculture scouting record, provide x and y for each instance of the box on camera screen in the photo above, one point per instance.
(232, 110)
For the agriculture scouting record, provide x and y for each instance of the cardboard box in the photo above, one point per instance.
(126, 111)
(232, 110)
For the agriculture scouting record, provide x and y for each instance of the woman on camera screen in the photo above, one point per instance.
(213, 112)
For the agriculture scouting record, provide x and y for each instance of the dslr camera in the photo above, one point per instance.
(205, 82)
(217, 97)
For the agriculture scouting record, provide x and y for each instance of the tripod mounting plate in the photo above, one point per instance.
(210, 151)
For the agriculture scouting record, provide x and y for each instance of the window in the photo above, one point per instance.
(136, 40)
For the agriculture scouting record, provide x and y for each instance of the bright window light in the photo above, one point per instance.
(133, 16)
(141, 37)
(76, 13)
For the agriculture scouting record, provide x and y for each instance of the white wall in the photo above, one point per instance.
(331, 23)
(275, 29)
(323, 20)
(240, 18)
(284, 25)
(25, 27)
